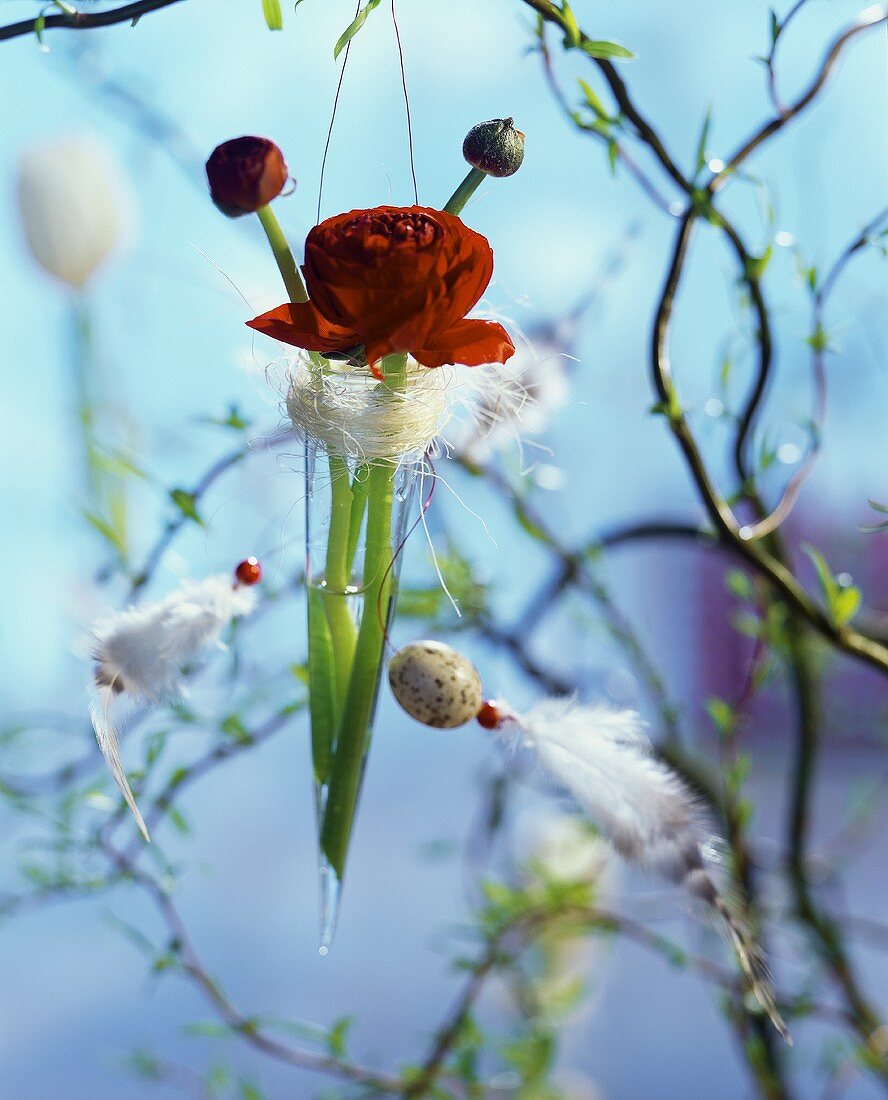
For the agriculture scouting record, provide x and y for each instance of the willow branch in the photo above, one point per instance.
(818, 373)
(646, 132)
(82, 21)
(871, 17)
(825, 932)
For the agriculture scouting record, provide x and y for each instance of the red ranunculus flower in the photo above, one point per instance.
(394, 279)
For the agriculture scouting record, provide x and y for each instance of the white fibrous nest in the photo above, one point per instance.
(508, 405)
(356, 415)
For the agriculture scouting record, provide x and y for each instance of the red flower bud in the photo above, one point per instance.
(244, 174)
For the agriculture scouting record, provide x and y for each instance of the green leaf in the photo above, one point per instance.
(722, 714)
(572, 33)
(703, 140)
(274, 17)
(739, 584)
(670, 408)
(767, 457)
(819, 339)
(144, 1064)
(824, 573)
(209, 1028)
(300, 672)
(756, 265)
(352, 29)
(117, 464)
(338, 1035)
(233, 726)
(606, 50)
(187, 504)
(178, 776)
(701, 201)
(842, 599)
(593, 102)
(882, 525)
(106, 530)
(846, 604)
(776, 27)
(39, 27)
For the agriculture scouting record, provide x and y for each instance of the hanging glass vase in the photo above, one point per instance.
(365, 440)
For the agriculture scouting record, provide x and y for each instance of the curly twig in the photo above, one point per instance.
(81, 21)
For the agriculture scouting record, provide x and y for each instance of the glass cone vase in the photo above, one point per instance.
(357, 512)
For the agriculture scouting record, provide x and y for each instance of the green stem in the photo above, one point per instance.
(106, 492)
(360, 488)
(354, 730)
(337, 578)
(321, 685)
(464, 192)
(85, 384)
(282, 254)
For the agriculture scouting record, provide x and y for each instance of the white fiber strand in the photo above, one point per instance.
(603, 758)
(140, 652)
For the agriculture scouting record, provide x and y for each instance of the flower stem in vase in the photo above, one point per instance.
(322, 693)
(337, 579)
(375, 482)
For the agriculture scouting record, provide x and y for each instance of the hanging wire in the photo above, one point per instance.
(406, 110)
(406, 104)
(348, 47)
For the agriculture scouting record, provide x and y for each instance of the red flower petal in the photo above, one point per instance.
(469, 342)
(300, 324)
(376, 350)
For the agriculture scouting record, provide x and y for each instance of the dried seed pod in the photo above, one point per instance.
(495, 147)
(435, 684)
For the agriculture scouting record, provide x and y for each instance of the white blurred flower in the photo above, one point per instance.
(74, 206)
(574, 1085)
(564, 846)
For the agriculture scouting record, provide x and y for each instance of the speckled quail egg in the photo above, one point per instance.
(435, 684)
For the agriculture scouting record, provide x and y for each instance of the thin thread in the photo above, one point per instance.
(406, 104)
(333, 116)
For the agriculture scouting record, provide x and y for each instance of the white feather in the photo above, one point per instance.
(603, 758)
(140, 653)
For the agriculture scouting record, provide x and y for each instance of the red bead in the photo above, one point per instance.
(249, 571)
(489, 715)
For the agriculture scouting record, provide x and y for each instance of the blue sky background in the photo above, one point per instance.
(170, 333)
